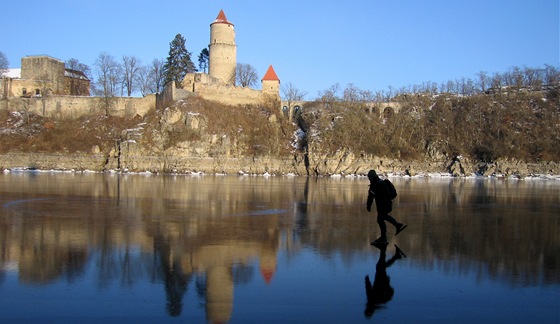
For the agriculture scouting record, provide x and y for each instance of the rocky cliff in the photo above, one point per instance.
(181, 139)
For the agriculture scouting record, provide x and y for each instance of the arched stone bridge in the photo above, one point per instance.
(290, 109)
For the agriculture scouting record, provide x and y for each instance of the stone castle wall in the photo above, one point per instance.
(73, 107)
(213, 89)
(230, 95)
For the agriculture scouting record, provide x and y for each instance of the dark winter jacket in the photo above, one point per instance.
(378, 192)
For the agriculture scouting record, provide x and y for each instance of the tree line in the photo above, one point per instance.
(515, 79)
(129, 75)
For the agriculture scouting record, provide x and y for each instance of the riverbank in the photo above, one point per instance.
(293, 166)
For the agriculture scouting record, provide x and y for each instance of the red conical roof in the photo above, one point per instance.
(267, 275)
(221, 19)
(270, 75)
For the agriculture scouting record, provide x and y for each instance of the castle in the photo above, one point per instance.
(65, 92)
(219, 84)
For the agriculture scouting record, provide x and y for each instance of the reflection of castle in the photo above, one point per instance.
(175, 253)
(41, 75)
(219, 83)
(120, 225)
(49, 250)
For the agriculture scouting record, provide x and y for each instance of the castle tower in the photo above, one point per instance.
(222, 48)
(45, 69)
(271, 82)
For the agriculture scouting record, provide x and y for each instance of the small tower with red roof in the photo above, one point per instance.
(271, 82)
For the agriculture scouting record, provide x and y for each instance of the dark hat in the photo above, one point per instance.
(372, 174)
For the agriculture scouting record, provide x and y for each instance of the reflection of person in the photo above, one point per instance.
(384, 204)
(380, 292)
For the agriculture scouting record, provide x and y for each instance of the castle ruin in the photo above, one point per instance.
(44, 75)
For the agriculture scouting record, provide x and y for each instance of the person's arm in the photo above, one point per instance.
(370, 198)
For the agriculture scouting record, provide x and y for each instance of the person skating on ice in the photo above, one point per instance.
(379, 191)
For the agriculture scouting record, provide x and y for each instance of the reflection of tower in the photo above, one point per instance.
(268, 264)
(222, 59)
(219, 294)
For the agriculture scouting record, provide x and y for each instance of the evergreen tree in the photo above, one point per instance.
(179, 62)
(203, 59)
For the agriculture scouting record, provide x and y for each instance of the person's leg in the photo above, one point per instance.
(382, 227)
(392, 220)
(398, 226)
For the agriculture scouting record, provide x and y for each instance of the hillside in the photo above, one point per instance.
(506, 133)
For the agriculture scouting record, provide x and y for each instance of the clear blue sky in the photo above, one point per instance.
(372, 44)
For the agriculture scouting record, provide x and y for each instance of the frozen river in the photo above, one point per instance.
(152, 248)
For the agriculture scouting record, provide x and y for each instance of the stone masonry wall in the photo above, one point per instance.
(74, 107)
(212, 89)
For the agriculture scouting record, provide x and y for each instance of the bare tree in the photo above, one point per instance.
(109, 73)
(351, 93)
(483, 81)
(149, 78)
(246, 75)
(131, 66)
(390, 94)
(551, 75)
(109, 79)
(142, 80)
(75, 65)
(355, 98)
(156, 76)
(497, 81)
(517, 75)
(379, 96)
(532, 78)
(291, 93)
(330, 94)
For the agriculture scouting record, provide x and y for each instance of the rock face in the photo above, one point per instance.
(43, 161)
(130, 156)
